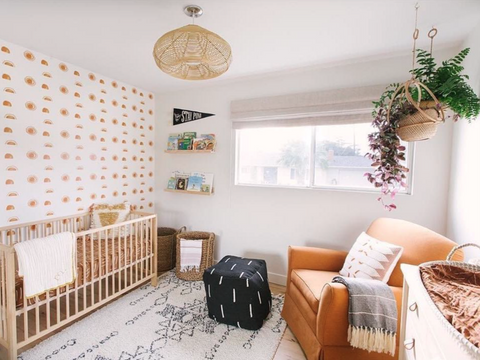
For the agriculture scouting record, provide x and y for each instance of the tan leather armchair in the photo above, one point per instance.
(316, 310)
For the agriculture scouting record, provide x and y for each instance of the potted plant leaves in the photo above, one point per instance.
(412, 112)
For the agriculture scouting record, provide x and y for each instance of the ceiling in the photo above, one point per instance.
(115, 37)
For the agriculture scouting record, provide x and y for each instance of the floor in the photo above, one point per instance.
(289, 349)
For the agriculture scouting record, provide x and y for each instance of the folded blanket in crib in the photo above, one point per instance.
(372, 314)
(190, 254)
(47, 263)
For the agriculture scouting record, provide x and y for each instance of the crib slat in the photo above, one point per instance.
(25, 313)
(106, 262)
(92, 264)
(84, 292)
(37, 316)
(141, 250)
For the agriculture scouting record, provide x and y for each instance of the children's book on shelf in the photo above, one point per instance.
(205, 143)
(173, 141)
(172, 183)
(207, 181)
(190, 141)
(185, 144)
(189, 135)
(182, 184)
(194, 182)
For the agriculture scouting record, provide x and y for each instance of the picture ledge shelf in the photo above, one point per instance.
(189, 192)
(190, 151)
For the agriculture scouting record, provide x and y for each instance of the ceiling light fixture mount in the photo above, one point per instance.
(192, 52)
(194, 11)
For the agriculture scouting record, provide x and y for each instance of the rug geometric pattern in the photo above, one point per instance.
(167, 322)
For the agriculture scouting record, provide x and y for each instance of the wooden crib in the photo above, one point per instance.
(111, 261)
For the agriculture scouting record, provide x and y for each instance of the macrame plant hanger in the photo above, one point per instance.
(422, 124)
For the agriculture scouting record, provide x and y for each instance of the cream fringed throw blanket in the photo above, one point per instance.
(372, 315)
(47, 263)
(190, 254)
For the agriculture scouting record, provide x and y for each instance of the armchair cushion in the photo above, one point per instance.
(310, 284)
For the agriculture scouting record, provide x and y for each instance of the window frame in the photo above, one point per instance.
(311, 184)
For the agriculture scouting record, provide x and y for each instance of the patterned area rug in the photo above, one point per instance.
(167, 322)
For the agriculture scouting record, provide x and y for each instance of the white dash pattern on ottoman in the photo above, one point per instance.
(237, 292)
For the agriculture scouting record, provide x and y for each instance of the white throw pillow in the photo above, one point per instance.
(370, 258)
(106, 215)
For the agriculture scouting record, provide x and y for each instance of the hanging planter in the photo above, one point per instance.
(422, 123)
(412, 111)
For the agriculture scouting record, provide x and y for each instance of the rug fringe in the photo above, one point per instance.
(372, 339)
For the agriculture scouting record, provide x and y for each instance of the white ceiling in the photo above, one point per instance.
(115, 37)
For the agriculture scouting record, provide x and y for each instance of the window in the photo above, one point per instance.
(325, 156)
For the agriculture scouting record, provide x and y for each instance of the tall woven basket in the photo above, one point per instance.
(166, 248)
(208, 242)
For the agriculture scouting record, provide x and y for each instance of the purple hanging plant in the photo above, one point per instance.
(386, 151)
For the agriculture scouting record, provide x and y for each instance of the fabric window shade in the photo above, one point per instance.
(342, 106)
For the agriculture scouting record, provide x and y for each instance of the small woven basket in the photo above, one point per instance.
(419, 125)
(208, 242)
(166, 249)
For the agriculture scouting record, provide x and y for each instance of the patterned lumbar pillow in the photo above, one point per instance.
(370, 258)
(105, 215)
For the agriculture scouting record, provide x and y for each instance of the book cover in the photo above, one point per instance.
(208, 136)
(204, 144)
(175, 135)
(172, 143)
(207, 181)
(190, 135)
(184, 144)
(194, 183)
(172, 183)
(181, 183)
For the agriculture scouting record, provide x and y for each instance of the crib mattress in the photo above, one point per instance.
(116, 257)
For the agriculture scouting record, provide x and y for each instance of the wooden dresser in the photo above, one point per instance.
(424, 334)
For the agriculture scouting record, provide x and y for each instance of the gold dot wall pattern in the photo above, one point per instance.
(69, 138)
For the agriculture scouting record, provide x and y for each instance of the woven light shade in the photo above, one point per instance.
(192, 53)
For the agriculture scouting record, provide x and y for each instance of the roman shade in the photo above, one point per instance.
(341, 106)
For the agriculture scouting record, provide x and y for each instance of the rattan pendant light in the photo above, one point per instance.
(192, 52)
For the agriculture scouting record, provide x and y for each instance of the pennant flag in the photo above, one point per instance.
(182, 116)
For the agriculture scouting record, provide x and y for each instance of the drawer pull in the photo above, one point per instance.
(413, 307)
(409, 344)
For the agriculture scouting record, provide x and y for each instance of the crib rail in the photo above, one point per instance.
(111, 261)
(15, 233)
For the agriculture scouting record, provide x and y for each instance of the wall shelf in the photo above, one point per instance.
(189, 192)
(189, 151)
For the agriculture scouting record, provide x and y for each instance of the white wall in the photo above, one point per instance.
(262, 222)
(464, 198)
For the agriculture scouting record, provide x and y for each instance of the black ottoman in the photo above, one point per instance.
(237, 292)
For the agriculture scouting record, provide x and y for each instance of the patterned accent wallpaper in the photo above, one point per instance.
(69, 138)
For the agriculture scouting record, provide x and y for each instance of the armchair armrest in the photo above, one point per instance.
(311, 258)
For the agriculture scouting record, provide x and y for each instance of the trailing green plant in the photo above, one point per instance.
(451, 89)
(448, 84)
(386, 152)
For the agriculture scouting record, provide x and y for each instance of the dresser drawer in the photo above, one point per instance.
(426, 333)
(419, 335)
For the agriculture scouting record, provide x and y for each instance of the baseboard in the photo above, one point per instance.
(277, 279)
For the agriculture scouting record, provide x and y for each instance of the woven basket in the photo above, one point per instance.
(208, 242)
(166, 249)
(419, 125)
(460, 338)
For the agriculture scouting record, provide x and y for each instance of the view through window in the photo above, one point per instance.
(326, 156)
